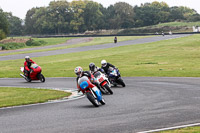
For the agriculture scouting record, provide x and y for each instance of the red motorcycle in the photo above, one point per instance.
(35, 73)
(91, 91)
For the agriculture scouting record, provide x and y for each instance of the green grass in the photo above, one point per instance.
(173, 24)
(184, 130)
(168, 58)
(48, 41)
(175, 27)
(13, 96)
(95, 41)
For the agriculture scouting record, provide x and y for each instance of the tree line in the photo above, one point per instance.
(79, 16)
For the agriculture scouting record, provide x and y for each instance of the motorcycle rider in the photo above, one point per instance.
(27, 65)
(115, 39)
(105, 66)
(94, 68)
(80, 73)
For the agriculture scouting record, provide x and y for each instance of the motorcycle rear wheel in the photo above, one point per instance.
(42, 78)
(92, 99)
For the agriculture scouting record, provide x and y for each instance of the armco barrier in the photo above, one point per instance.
(49, 36)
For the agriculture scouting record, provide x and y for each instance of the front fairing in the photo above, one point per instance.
(97, 93)
(84, 83)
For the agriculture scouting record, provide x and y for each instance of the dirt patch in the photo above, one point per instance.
(16, 40)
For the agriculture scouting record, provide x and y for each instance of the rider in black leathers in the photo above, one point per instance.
(105, 66)
(94, 69)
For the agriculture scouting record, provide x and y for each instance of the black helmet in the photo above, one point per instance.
(91, 66)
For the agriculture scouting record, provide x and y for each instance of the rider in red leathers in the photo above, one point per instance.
(80, 73)
(27, 66)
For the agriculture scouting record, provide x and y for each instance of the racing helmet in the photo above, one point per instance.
(78, 70)
(92, 66)
(27, 58)
(103, 63)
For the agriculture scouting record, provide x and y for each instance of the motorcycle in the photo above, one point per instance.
(35, 73)
(115, 77)
(91, 91)
(103, 81)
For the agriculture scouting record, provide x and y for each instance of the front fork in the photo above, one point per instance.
(96, 93)
(92, 91)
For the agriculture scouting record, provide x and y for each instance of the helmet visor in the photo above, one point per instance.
(92, 68)
(104, 64)
(78, 73)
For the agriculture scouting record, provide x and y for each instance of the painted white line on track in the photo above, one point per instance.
(170, 128)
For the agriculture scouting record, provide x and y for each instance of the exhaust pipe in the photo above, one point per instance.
(22, 75)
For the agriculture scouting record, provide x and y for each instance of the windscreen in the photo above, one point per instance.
(34, 65)
(97, 74)
(80, 80)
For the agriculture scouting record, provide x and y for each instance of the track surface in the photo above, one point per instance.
(146, 103)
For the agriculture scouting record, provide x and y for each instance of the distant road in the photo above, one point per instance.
(95, 47)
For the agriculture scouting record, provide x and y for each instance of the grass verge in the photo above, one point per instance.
(48, 41)
(168, 58)
(184, 130)
(13, 96)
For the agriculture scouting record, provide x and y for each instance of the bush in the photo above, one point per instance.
(32, 42)
(9, 46)
(2, 35)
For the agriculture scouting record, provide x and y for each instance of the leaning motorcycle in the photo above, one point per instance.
(103, 81)
(91, 91)
(35, 73)
(115, 77)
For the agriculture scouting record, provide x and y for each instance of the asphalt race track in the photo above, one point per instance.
(146, 103)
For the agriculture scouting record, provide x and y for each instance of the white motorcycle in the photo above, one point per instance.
(103, 81)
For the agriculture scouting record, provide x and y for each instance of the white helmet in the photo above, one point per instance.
(103, 63)
(27, 57)
(78, 70)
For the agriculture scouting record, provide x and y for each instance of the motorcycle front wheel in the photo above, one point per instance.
(28, 79)
(108, 88)
(102, 102)
(92, 99)
(121, 82)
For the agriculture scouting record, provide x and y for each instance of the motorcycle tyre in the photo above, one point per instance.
(102, 90)
(108, 89)
(92, 99)
(121, 82)
(102, 102)
(41, 78)
(27, 79)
